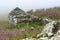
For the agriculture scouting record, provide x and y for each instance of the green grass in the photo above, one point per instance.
(28, 33)
(25, 25)
(1, 23)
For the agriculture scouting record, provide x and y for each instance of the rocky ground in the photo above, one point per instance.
(55, 37)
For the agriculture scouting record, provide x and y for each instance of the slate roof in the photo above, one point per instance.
(17, 11)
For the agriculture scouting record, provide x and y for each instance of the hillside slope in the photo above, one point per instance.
(52, 13)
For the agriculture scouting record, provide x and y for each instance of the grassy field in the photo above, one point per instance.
(23, 30)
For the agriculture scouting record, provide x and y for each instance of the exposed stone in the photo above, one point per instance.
(21, 16)
(30, 39)
(17, 12)
(56, 32)
(47, 30)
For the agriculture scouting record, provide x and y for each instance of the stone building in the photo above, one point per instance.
(16, 13)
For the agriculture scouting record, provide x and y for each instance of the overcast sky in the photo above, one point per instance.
(7, 5)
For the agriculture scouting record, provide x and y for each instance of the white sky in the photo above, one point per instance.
(7, 5)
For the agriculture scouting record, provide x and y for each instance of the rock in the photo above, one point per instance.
(17, 12)
(52, 38)
(55, 37)
(50, 34)
(23, 30)
(32, 28)
(43, 38)
(47, 30)
(30, 39)
(15, 22)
